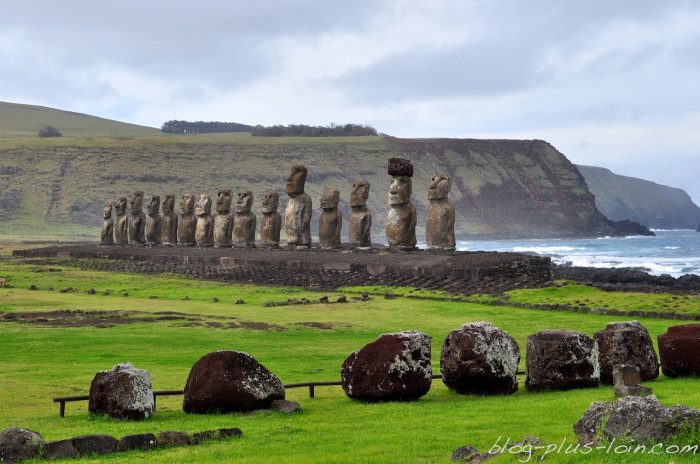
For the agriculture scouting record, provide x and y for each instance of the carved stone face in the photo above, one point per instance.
(360, 193)
(120, 207)
(137, 202)
(223, 201)
(203, 205)
(154, 205)
(439, 187)
(296, 181)
(330, 198)
(245, 201)
(400, 190)
(168, 204)
(107, 212)
(187, 204)
(270, 202)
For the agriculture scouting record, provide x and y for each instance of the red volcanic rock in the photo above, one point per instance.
(627, 343)
(395, 367)
(561, 360)
(228, 381)
(679, 349)
(123, 393)
(481, 359)
(400, 167)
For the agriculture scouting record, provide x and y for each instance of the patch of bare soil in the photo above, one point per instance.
(105, 319)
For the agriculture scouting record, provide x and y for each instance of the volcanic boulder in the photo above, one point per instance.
(561, 360)
(395, 367)
(123, 393)
(678, 349)
(230, 381)
(634, 418)
(17, 444)
(481, 359)
(629, 343)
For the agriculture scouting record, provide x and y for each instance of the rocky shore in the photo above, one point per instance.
(627, 279)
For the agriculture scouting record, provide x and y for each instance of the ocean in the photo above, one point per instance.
(672, 252)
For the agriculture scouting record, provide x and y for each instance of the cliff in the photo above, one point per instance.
(501, 188)
(656, 206)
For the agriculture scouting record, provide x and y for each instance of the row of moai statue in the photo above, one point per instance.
(196, 226)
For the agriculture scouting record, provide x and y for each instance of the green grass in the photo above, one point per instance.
(38, 363)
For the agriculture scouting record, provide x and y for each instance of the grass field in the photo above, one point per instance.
(39, 361)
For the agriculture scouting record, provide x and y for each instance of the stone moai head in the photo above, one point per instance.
(439, 187)
(168, 204)
(270, 202)
(154, 205)
(137, 202)
(401, 171)
(203, 205)
(245, 201)
(296, 180)
(223, 201)
(359, 194)
(330, 198)
(120, 207)
(107, 211)
(187, 204)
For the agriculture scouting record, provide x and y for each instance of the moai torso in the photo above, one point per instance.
(168, 223)
(331, 221)
(440, 225)
(188, 222)
(271, 222)
(401, 220)
(223, 221)
(360, 223)
(297, 216)
(121, 230)
(204, 230)
(137, 222)
(244, 222)
(153, 221)
(107, 234)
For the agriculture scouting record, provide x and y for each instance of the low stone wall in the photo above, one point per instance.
(455, 272)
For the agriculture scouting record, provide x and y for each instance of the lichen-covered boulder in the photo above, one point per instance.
(629, 343)
(634, 418)
(678, 349)
(123, 392)
(17, 444)
(395, 367)
(481, 359)
(561, 360)
(230, 381)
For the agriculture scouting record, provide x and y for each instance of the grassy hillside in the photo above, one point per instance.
(25, 121)
(656, 206)
(500, 188)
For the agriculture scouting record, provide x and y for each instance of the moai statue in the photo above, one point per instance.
(153, 221)
(331, 220)
(244, 222)
(440, 227)
(188, 221)
(121, 230)
(107, 234)
(401, 220)
(204, 231)
(360, 217)
(137, 223)
(297, 216)
(168, 224)
(223, 221)
(271, 221)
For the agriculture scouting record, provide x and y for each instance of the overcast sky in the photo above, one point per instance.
(610, 83)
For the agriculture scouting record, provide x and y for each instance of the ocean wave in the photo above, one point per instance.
(546, 249)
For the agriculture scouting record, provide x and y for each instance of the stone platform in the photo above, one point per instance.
(456, 272)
